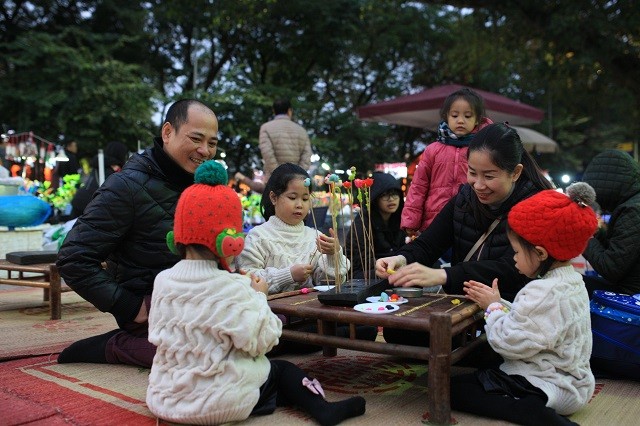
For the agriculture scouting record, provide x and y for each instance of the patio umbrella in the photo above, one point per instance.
(423, 109)
(533, 140)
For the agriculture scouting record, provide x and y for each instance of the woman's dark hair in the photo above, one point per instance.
(505, 148)
(475, 101)
(278, 183)
(531, 250)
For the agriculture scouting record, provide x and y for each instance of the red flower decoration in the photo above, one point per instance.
(368, 182)
(347, 184)
(359, 183)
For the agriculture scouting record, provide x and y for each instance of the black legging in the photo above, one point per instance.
(284, 388)
(468, 395)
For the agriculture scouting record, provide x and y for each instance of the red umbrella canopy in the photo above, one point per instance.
(423, 109)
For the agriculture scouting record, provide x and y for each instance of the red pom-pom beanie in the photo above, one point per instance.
(561, 223)
(209, 213)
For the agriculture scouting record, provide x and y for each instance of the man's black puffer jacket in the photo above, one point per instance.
(126, 223)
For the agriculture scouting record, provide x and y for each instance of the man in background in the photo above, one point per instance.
(281, 141)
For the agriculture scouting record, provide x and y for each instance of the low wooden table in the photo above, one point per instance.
(47, 278)
(435, 314)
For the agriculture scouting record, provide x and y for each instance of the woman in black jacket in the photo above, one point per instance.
(501, 173)
(375, 232)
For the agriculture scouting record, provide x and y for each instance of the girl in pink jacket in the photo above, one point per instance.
(443, 164)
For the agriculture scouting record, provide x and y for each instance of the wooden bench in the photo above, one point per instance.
(42, 275)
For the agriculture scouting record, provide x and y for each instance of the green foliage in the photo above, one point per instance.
(67, 82)
(95, 70)
(63, 195)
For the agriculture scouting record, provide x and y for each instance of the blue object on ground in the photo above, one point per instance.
(615, 323)
(23, 210)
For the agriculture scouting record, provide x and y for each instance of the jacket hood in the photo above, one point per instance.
(615, 176)
(383, 182)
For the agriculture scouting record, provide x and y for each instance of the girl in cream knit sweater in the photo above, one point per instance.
(283, 251)
(212, 327)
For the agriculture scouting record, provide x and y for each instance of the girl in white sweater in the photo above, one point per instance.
(283, 251)
(212, 327)
(544, 336)
(289, 255)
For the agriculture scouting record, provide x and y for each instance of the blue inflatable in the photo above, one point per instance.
(23, 210)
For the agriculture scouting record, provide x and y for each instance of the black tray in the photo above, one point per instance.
(353, 292)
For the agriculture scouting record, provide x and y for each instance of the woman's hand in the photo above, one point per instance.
(259, 285)
(327, 244)
(389, 265)
(482, 294)
(419, 275)
(301, 272)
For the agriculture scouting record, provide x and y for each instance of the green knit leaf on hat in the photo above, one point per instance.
(211, 173)
(171, 243)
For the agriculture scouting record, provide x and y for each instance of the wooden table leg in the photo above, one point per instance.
(439, 379)
(55, 294)
(327, 328)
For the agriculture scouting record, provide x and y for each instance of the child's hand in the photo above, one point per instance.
(301, 272)
(412, 233)
(258, 284)
(327, 244)
(482, 294)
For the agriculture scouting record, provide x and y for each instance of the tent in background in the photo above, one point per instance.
(536, 141)
(423, 109)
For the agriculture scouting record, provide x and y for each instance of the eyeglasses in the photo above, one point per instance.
(389, 195)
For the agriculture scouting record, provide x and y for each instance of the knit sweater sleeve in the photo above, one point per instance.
(254, 259)
(518, 334)
(265, 329)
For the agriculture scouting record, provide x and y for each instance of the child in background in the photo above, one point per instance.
(380, 226)
(283, 251)
(443, 164)
(544, 336)
(212, 327)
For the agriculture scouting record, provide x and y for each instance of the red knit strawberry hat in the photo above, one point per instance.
(561, 223)
(209, 213)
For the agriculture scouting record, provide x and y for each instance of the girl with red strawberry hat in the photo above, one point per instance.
(213, 327)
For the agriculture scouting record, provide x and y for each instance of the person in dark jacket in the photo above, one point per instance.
(125, 227)
(501, 173)
(376, 232)
(115, 155)
(614, 253)
(69, 167)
